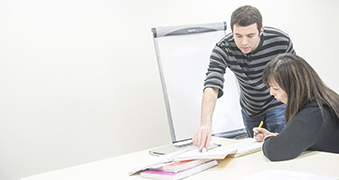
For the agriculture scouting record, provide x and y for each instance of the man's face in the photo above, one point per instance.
(247, 38)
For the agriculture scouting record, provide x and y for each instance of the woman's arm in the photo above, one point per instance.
(298, 136)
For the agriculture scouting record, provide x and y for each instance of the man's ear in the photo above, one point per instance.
(261, 31)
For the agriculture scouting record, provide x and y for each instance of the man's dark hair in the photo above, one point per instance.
(245, 16)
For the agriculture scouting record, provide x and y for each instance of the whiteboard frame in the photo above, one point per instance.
(181, 32)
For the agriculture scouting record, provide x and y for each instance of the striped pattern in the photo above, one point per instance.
(255, 97)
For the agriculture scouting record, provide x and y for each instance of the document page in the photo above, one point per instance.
(287, 175)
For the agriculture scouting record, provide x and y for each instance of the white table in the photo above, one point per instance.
(229, 168)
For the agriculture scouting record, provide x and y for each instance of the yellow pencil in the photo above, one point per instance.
(261, 123)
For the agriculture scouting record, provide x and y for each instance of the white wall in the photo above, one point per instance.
(80, 82)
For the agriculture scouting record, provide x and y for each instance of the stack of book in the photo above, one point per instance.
(179, 169)
(180, 164)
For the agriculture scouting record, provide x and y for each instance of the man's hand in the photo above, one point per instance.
(202, 137)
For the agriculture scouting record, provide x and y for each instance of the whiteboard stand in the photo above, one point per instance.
(183, 54)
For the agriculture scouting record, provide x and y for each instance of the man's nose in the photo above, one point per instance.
(244, 41)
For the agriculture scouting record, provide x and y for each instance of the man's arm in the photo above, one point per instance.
(202, 136)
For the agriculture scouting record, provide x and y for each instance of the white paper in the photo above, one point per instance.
(274, 174)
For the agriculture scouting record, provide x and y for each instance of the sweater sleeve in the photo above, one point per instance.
(216, 70)
(298, 136)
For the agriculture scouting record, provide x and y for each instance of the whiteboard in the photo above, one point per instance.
(183, 54)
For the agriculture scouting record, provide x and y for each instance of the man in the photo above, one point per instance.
(245, 51)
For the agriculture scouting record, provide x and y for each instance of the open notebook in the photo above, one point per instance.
(187, 144)
(246, 146)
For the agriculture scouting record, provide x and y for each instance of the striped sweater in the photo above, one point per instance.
(255, 98)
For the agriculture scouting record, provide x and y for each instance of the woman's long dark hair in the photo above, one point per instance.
(301, 83)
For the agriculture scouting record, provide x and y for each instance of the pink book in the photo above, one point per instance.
(164, 175)
(181, 165)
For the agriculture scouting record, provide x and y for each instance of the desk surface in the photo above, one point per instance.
(232, 168)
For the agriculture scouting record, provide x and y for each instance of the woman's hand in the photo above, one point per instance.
(262, 134)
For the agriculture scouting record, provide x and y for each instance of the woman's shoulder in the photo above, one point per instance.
(316, 111)
(313, 108)
(315, 105)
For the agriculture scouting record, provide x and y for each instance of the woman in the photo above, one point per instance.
(312, 110)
